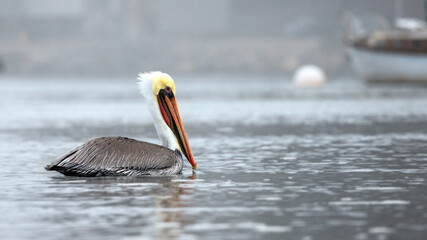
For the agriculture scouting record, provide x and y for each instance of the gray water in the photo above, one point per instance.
(347, 161)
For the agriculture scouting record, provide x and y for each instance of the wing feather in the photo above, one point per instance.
(114, 156)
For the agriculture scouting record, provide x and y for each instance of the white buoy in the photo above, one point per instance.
(309, 76)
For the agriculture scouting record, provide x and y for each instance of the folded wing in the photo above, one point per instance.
(115, 156)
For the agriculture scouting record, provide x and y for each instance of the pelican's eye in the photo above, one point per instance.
(167, 91)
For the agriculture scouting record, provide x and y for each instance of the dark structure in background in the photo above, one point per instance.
(120, 38)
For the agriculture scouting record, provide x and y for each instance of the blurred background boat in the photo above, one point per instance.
(391, 56)
(383, 53)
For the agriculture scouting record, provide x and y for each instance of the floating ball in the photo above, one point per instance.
(309, 76)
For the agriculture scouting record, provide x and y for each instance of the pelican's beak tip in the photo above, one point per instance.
(194, 167)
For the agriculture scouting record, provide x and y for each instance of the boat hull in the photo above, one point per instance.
(374, 65)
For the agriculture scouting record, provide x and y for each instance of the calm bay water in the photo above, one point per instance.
(347, 161)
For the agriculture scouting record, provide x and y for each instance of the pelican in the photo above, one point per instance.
(121, 156)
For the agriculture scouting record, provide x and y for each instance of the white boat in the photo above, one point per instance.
(389, 66)
(390, 56)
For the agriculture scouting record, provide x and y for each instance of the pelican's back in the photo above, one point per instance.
(118, 156)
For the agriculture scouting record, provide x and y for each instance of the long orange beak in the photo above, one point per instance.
(170, 113)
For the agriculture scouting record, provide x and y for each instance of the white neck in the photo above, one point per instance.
(165, 134)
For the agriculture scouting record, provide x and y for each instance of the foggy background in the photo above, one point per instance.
(121, 38)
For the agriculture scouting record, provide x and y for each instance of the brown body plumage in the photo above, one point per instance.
(118, 156)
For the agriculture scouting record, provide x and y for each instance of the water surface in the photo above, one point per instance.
(348, 161)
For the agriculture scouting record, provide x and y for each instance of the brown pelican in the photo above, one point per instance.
(128, 157)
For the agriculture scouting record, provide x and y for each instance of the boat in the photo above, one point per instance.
(391, 56)
(396, 54)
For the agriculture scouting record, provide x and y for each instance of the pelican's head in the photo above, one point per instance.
(158, 90)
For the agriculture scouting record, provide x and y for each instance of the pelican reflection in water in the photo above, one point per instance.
(123, 156)
(157, 206)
